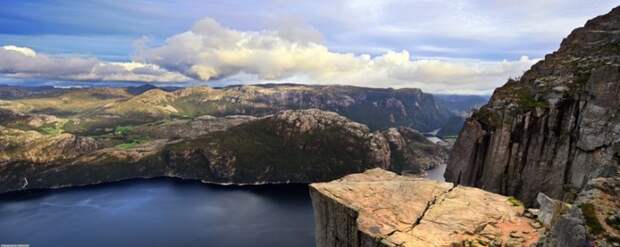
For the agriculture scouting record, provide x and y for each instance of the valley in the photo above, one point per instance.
(240, 134)
(310, 123)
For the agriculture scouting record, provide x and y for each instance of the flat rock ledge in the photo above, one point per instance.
(381, 208)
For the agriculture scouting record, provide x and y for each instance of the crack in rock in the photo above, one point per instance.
(429, 204)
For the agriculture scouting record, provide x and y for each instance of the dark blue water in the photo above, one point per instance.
(159, 212)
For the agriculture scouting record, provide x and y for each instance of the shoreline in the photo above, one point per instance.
(426, 174)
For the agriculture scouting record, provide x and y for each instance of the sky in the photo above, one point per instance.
(440, 46)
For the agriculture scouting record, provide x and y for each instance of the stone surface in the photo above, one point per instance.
(380, 208)
(550, 209)
(568, 231)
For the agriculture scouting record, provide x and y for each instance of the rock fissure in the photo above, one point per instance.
(443, 214)
(429, 205)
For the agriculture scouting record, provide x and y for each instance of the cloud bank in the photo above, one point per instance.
(23, 62)
(211, 52)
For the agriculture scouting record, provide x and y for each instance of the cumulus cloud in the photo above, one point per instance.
(291, 53)
(210, 51)
(23, 62)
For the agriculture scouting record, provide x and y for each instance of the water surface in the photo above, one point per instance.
(437, 173)
(159, 212)
(162, 212)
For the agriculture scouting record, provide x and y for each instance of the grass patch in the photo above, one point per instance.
(515, 202)
(51, 129)
(122, 130)
(131, 143)
(528, 102)
(589, 214)
(487, 117)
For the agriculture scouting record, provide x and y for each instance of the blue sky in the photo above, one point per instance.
(440, 46)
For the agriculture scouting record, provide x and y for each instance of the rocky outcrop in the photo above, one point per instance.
(32, 146)
(592, 219)
(380, 208)
(550, 209)
(290, 146)
(297, 146)
(554, 130)
(411, 152)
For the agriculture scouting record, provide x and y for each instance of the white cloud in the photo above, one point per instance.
(23, 50)
(210, 51)
(292, 52)
(23, 62)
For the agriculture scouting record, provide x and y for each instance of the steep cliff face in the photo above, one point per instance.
(380, 208)
(553, 130)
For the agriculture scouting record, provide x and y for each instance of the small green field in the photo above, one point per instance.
(52, 128)
(131, 143)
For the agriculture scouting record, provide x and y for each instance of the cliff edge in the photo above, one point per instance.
(381, 208)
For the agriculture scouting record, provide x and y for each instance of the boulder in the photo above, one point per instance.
(550, 209)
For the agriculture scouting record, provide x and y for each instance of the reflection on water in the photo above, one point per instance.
(160, 212)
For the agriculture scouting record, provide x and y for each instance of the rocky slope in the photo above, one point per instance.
(376, 108)
(554, 130)
(93, 110)
(412, 152)
(380, 208)
(289, 146)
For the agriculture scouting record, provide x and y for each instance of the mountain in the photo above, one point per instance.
(135, 90)
(17, 92)
(297, 146)
(555, 130)
(95, 109)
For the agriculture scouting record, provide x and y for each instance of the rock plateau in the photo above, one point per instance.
(381, 208)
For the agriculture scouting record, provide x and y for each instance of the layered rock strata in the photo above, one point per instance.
(555, 130)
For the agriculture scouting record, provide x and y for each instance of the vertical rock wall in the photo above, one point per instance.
(555, 128)
(336, 223)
